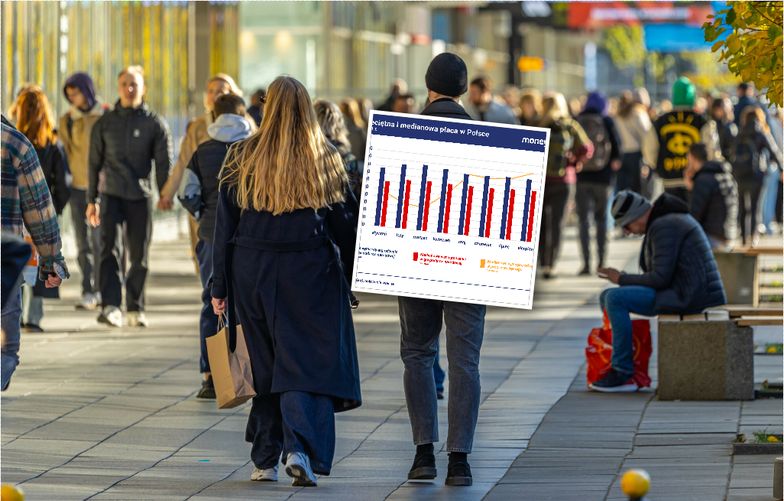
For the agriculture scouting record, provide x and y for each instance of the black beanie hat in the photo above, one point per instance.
(447, 75)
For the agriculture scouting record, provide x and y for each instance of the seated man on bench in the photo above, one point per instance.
(679, 276)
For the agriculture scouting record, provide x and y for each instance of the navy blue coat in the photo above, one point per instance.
(677, 261)
(290, 277)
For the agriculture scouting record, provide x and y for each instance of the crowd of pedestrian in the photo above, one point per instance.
(272, 187)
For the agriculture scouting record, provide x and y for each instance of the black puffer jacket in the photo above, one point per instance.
(677, 261)
(714, 201)
(123, 144)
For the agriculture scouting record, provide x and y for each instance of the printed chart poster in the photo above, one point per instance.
(450, 210)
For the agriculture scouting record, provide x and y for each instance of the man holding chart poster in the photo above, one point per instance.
(449, 224)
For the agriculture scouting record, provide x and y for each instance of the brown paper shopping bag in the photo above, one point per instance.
(231, 370)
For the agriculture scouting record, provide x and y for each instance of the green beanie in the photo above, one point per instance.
(683, 92)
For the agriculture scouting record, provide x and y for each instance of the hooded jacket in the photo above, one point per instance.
(714, 201)
(76, 126)
(677, 261)
(123, 144)
(199, 192)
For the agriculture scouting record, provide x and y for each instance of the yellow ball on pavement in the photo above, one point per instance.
(9, 492)
(635, 483)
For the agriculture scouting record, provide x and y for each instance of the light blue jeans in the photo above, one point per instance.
(620, 303)
(11, 315)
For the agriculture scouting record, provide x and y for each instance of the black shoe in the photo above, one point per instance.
(424, 467)
(615, 382)
(459, 474)
(207, 389)
(586, 271)
(440, 394)
(32, 328)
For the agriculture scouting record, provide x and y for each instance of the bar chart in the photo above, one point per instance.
(450, 210)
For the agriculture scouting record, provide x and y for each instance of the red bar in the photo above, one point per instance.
(426, 208)
(489, 212)
(386, 202)
(468, 209)
(531, 217)
(509, 215)
(446, 211)
(405, 204)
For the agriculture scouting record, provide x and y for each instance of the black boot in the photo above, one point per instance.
(459, 473)
(207, 389)
(424, 467)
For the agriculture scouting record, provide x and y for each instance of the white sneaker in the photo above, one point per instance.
(298, 468)
(89, 301)
(265, 475)
(112, 316)
(137, 319)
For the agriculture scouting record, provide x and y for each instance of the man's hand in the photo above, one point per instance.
(53, 281)
(93, 215)
(615, 165)
(645, 172)
(610, 274)
(165, 203)
(218, 306)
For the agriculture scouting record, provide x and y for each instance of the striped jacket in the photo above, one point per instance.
(26, 201)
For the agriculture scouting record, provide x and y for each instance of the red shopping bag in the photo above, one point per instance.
(598, 353)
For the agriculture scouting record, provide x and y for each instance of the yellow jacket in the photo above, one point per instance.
(74, 132)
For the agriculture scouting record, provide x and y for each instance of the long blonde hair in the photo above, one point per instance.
(287, 164)
(554, 108)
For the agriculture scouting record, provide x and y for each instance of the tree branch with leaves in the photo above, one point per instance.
(753, 47)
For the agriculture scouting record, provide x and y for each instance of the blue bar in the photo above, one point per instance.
(441, 206)
(380, 201)
(505, 208)
(422, 189)
(463, 205)
(484, 206)
(400, 195)
(525, 210)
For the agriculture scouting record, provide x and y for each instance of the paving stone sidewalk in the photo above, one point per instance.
(94, 413)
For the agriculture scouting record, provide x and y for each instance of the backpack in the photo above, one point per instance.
(746, 161)
(597, 132)
(561, 143)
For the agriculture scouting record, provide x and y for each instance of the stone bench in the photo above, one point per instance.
(705, 357)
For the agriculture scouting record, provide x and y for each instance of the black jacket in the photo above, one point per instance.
(123, 144)
(206, 163)
(606, 175)
(714, 201)
(677, 261)
(54, 164)
(728, 131)
(446, 108)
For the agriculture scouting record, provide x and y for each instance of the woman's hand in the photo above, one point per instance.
(218, 306)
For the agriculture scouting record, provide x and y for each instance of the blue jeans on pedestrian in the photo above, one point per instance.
(420, 321)
(208, 321)
(620, 303)
(11, 316)
(292, 421)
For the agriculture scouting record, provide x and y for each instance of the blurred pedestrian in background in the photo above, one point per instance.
(667, 143)
(633, 125)
(333, 126)
(404, 103)
(74, 131)
(357, 128)
(284, 241)
(256, 108)
(399, 86)
(124, 144)
(483, 106)
(714, 197)
(35, 120)
(722, 115)
(755, 152)
(530, 107)
(594, 181)
(569, 148)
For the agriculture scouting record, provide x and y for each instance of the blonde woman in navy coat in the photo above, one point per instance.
(284, 248)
